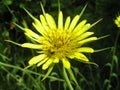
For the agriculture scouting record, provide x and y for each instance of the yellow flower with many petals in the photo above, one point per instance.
(117, 21)
(62, 42)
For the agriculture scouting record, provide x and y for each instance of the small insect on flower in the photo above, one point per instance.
(117, 21)
(59, 43)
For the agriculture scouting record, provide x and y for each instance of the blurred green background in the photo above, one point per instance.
(89, 77)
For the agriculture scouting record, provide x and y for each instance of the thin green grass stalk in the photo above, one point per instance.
(30, 76)
(92, 77)
(35, 82)
(116, 40)
(13, 76)
(67, 79)
(114, 54)
(4, 57)
(29, 71)
(114, 50)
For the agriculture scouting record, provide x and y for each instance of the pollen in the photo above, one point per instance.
(60, 44)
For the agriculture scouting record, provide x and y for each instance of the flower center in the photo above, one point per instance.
(60, 44)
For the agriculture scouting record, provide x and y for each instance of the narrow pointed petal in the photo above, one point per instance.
(67, 23)
(32, 38)
(44, 22)
(30, 45)
(37, 59)
(85, 49)
(84, 29)
(84, 35)
(74, 22)
(31, 33)
(60, 20)
(79, 26)
(81, 56)
(66, 63)
(41, 62)
(50, 21)
(87, 40)
(47, 64)
(38, 26)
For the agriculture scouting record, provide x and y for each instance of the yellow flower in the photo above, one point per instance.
(117, 21)
(62, 42)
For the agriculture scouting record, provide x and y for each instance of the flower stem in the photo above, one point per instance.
(115, 44)
(114, 52)
(67, 79)
(116, 40)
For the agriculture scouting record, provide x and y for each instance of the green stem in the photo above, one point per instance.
(116, 40)
(67, 79)
(114, 51)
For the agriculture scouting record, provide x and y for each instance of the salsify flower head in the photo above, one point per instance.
(62, 42)
(117, 21)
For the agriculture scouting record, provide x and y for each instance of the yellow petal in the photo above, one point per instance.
(71, 56)
(85, 49)
(66, 63)
(81, 57)
(87, 40)
(50, 21)
(85, 35)
(38, 26)
(30, 45)
(79, 26)
(67, 23)
(56, 60)
(37, 59)
(44, 22)
(41, 62)
(60, 20)
(85, 28)
(31, 33)
(47, 64)
(38, 40)
(74, 22)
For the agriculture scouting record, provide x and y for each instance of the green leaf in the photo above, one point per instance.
(106, 84)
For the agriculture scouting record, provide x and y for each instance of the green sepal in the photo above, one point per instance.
(103, 37)
(72, 76)
(103, 49)
(91, 63)
(81, 13)
(13, 42)
(87, 62)
(48, 72)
